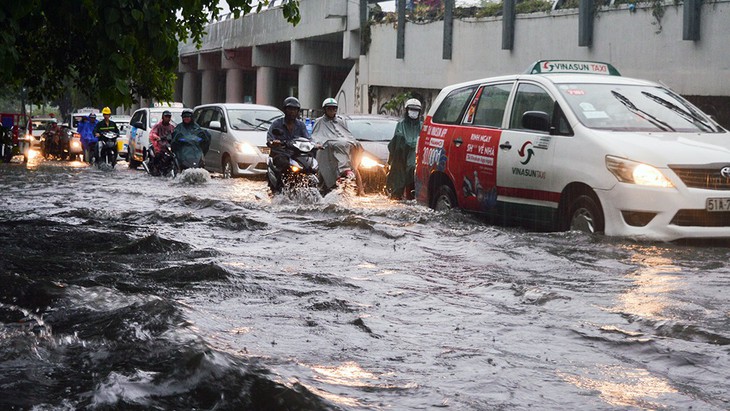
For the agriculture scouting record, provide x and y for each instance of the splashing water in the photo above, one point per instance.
(194, 176)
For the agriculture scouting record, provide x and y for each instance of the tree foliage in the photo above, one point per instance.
(111, 50)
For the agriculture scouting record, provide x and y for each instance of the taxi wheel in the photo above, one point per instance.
(585, 215)
(227, 167)
(444, 199)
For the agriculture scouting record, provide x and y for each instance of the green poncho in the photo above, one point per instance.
(402, 158)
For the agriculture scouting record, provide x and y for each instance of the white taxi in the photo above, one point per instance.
(573, 145)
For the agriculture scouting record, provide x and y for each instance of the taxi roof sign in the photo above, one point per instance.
(572, 67)
(167, 104)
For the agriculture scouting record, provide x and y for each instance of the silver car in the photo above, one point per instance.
(238, 137)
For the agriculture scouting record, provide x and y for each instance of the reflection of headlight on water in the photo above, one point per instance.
(369, 162)
(32, 154)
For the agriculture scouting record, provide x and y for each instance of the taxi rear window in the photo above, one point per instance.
(452, 108)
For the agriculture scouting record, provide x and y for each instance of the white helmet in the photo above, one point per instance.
(413, 103)
(329, 102)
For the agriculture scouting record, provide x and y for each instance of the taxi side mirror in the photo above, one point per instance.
(536, 120)
(215, 125)
(138, 124)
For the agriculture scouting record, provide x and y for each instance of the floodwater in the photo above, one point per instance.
(123, 291)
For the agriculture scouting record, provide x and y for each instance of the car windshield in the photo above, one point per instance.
(252, 119)
(635, 108)
(156, 117)
(370, 129)
(41, 125)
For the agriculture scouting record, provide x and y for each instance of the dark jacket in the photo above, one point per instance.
(279, 131)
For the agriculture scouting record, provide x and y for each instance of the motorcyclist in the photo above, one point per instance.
(402, 149)
(282, 130)
(189, 142)
(103, 126)
(85, 128)
(160, 137)
(53, 138)
(341, 153)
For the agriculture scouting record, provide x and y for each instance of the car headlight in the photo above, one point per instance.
(627, 171)
(246, 148)
(369, 162)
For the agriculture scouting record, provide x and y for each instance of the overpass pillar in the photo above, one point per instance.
(189, 92)
(265, 85)
(209, 90)
(310, 84)
(234, 85)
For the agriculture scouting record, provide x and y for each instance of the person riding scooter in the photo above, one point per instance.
(86, 129)
(160, 138)
(189, 142)
(103, 126)
(284, 129)
(341, 153)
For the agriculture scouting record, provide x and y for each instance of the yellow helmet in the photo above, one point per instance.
(106, 110)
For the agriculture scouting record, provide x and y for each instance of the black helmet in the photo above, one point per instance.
(166, 113)
(292, 102)
(187, 113)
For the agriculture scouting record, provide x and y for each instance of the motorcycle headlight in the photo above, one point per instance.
(627, 171)
(76, 144)
(246, 148)
(369, 162)
(294, 169)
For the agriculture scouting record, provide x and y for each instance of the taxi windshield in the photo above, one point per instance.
(156, 117)
(620, 107)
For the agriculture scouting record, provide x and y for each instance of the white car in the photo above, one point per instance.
(573, 145)
(238, 137)
(138, 134)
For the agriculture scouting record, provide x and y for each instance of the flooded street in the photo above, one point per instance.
(125, 291)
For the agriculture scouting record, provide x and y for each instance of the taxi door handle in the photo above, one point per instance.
(458, 141)
(505, 146)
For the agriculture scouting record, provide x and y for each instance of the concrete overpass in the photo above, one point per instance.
(261, 58)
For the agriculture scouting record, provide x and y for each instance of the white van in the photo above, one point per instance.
(238, 137)
(573, 145)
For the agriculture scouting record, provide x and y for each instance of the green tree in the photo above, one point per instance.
(111, 50)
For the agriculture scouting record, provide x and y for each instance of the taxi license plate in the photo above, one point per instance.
(265, 150)
(717, 204)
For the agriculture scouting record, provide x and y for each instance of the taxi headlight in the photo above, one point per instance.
(627, 171)
(246, 148)
(369, 162)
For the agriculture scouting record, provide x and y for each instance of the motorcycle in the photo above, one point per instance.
(55, 145)
(6, 145)
(297, 165)
(163, 163)
(106, 149)
(187, 153)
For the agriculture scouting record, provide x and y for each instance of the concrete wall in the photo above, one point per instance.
(632, 42)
